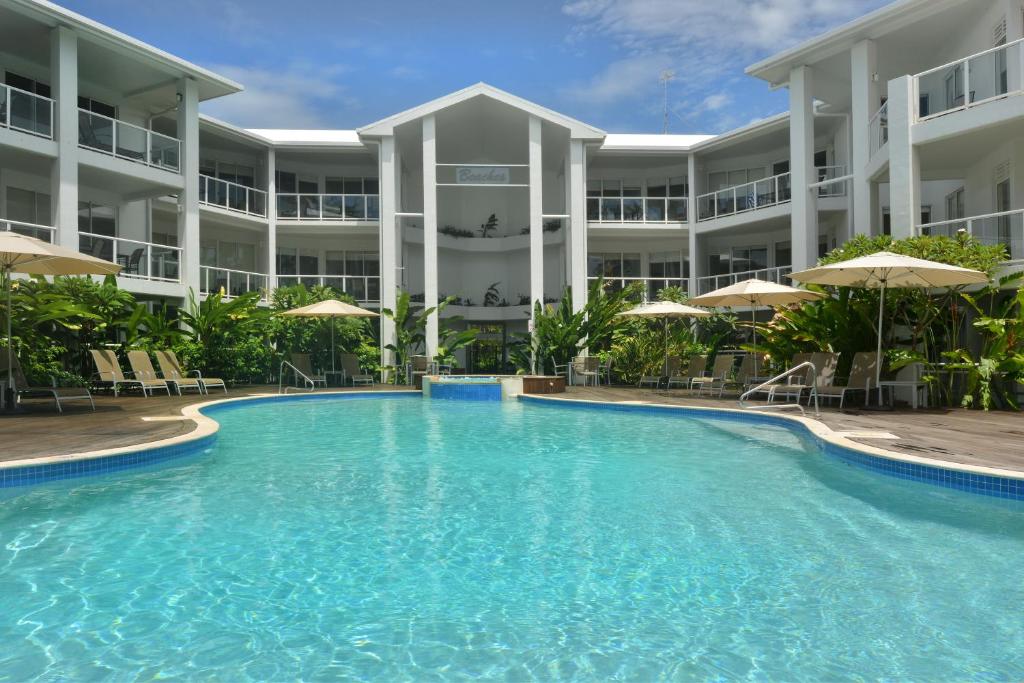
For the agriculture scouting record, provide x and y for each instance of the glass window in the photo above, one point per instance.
(208, 252)
(632, 188)
(370, 186)
(656, 187)
(309, 262)
(286, 260)
(353, 263)
(334, 186)
(718, 264)
(99, 220)
(28, 206)
(371, 263)
(335, 263)
(353, 185)
(593, 188)
(783, 254)
(611, 188)
(717, 180)
(308, 186)
(631, 265)
(677, 187)
(286, 182)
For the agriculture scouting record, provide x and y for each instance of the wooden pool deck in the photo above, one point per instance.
(993, 439)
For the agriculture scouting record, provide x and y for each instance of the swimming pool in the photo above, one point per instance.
(398, 538)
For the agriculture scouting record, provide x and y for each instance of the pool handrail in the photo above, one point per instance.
(775, 380)
(281, 389)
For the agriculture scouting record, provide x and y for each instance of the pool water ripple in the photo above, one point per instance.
(397, 539)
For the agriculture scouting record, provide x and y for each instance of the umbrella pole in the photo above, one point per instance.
(878, 353)
(332, 344)
(9, 394)
(753, 327)
(665, 369)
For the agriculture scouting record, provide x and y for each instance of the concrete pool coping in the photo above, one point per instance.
(37, 469)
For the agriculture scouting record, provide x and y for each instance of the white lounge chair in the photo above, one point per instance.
(862, 378)
(23, 389)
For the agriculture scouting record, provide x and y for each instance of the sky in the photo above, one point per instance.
(343, 64)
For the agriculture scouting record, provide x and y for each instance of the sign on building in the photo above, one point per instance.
(482, 175)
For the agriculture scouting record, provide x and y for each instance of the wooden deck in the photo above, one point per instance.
(970, 437)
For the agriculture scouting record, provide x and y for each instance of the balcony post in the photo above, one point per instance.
(865, 101)
(804, 225)
(691, 219)
(388, 243)
(904, 162)
(577, 179)
(430, 230)
(271, 210)
(188, 198)
(536, 214)
(64, 172)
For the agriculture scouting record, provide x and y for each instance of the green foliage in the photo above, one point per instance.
(489, 227)
(492, 296)
(313, 335)
(227, 338)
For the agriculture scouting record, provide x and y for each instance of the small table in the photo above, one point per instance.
(915, 386)
(335, 373)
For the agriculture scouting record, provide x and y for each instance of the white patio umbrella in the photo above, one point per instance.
(331, 308)
(31, 256)
(884, 270)
(665, 310)
(755, 293)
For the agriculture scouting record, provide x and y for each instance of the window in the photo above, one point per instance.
(287, 260)
(27, 84)
(926, 217)
(613, 265)
(285, 182)
(309, 261)
(96, 219)
(955, 87)
(28, 206)
(29, 113)
(97, 107)
(749, 258)
(955, 204)
(783, 254)
(1003, 222)
(654, 200)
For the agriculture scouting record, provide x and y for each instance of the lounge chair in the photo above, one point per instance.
(862, 377)
(353, 373)
(416, 368)
(179, 371)
(58, 394)
(173, 375)
(741, 379)
(671, 368)
(587, 367)
(694, 371)
(142, 370)
(304, 365)
(108, 371)
(825, 365)
(724, 363)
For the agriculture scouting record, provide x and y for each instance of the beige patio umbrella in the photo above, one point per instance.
(884, 270)
(331, 308)
(31, 256)
(755, 293)
(665, 310)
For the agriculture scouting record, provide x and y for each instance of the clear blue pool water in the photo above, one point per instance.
(398, 539)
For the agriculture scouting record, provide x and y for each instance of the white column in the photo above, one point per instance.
(430, 228)
(904, 165)
(865, 101)
(1015, 56)
(388, 247)
(691, 222)
(578, 222)
(272, 219)
(536, 214)
(804, 228)
(188, 199)
(567, 224)
(64, 174)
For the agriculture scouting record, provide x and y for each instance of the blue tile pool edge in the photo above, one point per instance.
(892, 465)
(200, 439)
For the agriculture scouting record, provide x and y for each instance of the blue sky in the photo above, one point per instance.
(342, 64)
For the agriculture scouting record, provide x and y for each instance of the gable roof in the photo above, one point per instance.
(577, 129)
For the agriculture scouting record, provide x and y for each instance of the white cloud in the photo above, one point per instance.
(624, 79)
(299, 96)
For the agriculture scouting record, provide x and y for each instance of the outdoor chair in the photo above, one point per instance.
(694, 371)
(724, 363)
(862, 377)
(671, 369)
(587, 367)
(606, 371)
(741, 380)
(304, 365)
(825, 365)
(179, 371)
(108, 372)
(22, 389)
(172, 374)
(142, 370)
(353, 373)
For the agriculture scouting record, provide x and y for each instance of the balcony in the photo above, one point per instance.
(710, 283)
(143, 260)
(46, 233)
(652, 285)
(836, 189)
(742, 198)
(328, 207)
(878, 130)
(231, 196)
(127, 141)
(26, 112)
(1004, 227)
(969, 82)
(231, 283)
(642, 210)
(365, 288)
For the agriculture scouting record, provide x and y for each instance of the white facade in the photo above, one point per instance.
(914, 111)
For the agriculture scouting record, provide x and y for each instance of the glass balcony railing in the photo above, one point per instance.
(878, 129)
(710, 283)
(328, 207)
(359, 287)
(26, 112)
(971, 81)
(232, 196)
(834, 189)
(652, 285)
(127, 141)
(46, 233)
(636, 209)
(144, 260)
(231, 282)
(747, 197)
(1004, 227)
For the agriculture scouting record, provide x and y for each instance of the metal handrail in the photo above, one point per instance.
(775, 380)
(281, 389)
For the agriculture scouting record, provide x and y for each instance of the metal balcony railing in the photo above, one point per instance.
(636, 209)
(709, 283)
(26, 112)
(127, 141)
(144, 260)
(758, 194)
(46, 233)
(231, 282)
(970, 81)
(878, 129)
(232, 196)
(1003, 227)
(359, 287)
(328, 207)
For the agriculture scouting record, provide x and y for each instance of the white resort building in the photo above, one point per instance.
(906, 121)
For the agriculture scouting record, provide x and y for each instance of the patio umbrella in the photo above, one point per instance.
(665, 310)
(884, 270)
(31, 256)
(331, 308)
(755, 293)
